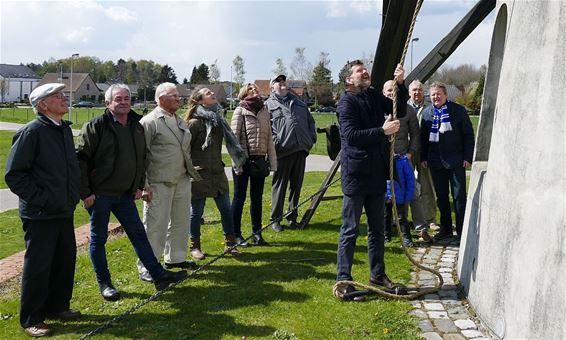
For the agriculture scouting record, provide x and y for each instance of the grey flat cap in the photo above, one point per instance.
(43, 91)
(278, 79)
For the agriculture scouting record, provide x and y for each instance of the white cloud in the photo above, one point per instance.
(81, 35)
(119, 13)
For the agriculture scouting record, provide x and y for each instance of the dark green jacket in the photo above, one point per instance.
(208, 162)
(43, 171)
(97, 152)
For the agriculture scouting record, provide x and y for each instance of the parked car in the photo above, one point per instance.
(326, 109)
(84, 104)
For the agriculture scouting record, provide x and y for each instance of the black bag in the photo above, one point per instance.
(258, 168)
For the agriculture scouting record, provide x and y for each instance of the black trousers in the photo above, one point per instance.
(49, 268)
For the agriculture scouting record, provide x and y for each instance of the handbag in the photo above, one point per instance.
(257, 166)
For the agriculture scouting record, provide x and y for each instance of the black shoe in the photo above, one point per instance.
(169, 277)
(443, 236)
(108, 292)
(348, 293)
(145, 276)
(276, 227)
(257, 240)
(382, 281)
(293, 225)
(240, 241)
(190, 265)
(68, 315)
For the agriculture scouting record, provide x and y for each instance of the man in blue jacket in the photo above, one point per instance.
(364, 159)
(447, 148)
(43, 171)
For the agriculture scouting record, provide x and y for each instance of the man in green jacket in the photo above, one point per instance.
(112, 159)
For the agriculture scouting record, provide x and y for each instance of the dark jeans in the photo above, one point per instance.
(49, 268)
(351, 212)
(124, 208)
(223, 205)
(445, 180)
(256, 196)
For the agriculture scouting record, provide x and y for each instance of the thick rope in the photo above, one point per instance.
(157, 294)
(340, 285)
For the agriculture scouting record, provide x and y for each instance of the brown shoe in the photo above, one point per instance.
(39, 330)
(425, 236)
(229, 245)
(382, 281)
(68, 315)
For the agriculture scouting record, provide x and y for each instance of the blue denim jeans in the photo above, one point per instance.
(446, 180)
(256, 197)
(351, 212)
(124, 208)
(223, 205)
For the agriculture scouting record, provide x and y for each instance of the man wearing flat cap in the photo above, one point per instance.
(43, 170)
(294, 134)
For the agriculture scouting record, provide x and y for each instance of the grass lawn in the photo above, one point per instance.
(5, 144)
(283, 291)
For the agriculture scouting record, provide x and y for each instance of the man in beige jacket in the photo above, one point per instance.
(167, 194)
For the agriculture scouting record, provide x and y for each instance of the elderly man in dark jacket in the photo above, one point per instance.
(294, 134)
(43, 171)
(447, 140)
(112, 157)
(365, 166)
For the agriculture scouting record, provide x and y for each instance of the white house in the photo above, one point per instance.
(16, 82)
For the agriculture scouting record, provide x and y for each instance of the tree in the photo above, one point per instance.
(239, 71)
(459, 75)
(301, 68)
(185, 81)
(3, 88)
(214, 72)
(200, 74)
(167, 74)
(321, 82)
(121, 68)
(280, 68)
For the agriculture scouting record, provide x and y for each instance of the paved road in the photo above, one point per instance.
(9, 201)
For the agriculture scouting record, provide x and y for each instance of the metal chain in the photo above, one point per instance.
(157, 294)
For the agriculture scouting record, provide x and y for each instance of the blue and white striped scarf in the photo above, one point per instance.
(440, 123)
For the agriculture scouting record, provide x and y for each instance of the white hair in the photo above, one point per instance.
(416, 83)
(112, 88)
(162, 89)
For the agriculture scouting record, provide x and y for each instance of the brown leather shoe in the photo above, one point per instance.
(39, 330)
(68, 315)
(382, 281)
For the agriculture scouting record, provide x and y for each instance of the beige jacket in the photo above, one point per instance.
(258, 129)
(169, 158)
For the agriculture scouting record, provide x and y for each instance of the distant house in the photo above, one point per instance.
(84, 88)
(16, 82)
(264, 87)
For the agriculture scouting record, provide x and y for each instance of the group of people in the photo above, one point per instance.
(436, 139)
(174, 164)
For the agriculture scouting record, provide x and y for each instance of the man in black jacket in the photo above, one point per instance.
(43, 171)
(112, 158)
(365, 166)
(447, 148)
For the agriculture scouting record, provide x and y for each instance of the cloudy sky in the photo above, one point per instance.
(186, 33)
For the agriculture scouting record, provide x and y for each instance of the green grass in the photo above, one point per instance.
(5, 144)
(269, 293)
(24, 115)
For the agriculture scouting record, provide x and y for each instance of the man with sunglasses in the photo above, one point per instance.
(43, 171)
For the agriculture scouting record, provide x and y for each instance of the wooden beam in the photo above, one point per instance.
(444, 49)
(397, 17)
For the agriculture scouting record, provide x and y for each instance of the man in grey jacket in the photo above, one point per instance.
(167, 194)
(294, 134)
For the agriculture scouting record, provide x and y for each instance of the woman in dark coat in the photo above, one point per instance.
(208, 129)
